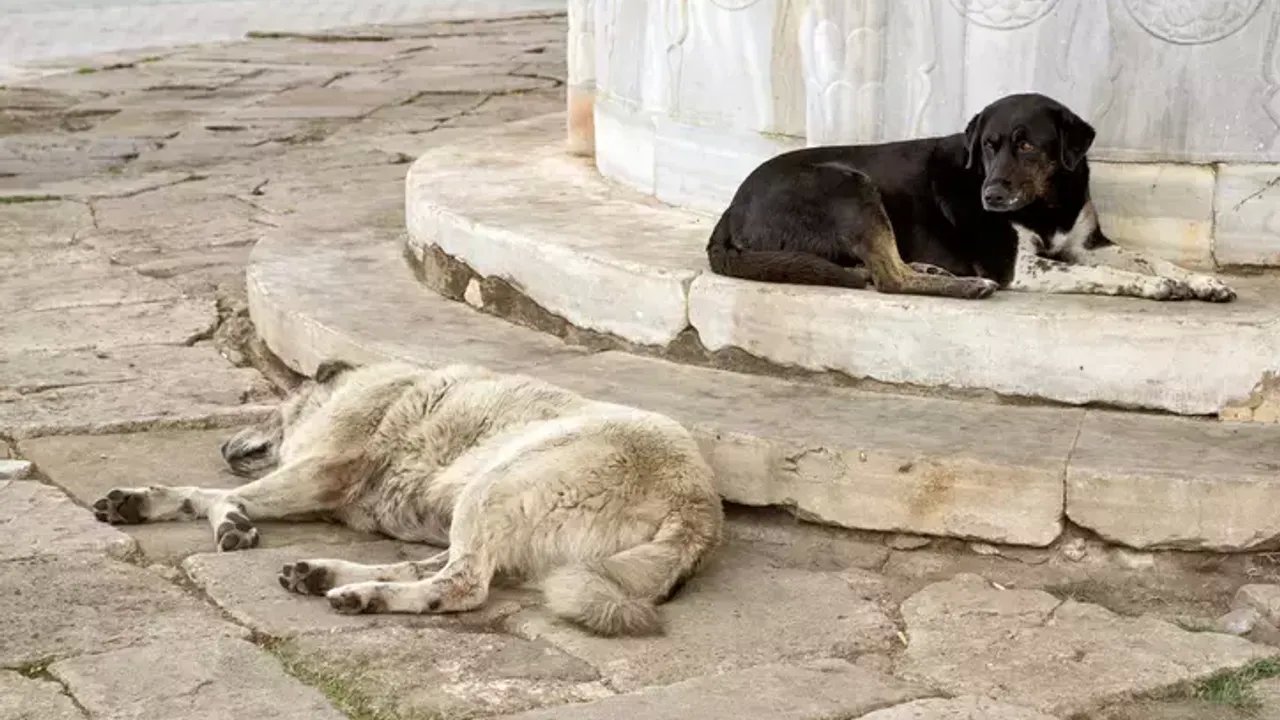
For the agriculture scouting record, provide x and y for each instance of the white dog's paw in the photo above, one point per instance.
(1210, 289)
(357, 598)
(306, 577)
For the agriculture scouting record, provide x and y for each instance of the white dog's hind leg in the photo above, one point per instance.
(1202, 286)
(316, 577)
(463, 584)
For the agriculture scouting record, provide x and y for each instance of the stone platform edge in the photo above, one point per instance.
(833, 455)
(644, 287)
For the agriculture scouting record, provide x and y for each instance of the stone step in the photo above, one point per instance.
(513, 205)
(879, 461)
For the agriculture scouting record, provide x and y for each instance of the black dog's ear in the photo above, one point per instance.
(1075, 136)
(972, 137)
(330, 369)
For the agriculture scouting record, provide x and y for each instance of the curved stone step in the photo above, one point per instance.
(846, 457)
(513, 205)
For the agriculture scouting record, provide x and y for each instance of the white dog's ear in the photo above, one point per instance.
(330, 369)
(972, 137)
(1075, 136)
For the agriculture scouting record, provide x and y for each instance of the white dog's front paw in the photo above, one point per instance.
(1211, 289)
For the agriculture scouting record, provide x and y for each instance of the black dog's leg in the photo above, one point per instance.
(788, 267)
(875, 245)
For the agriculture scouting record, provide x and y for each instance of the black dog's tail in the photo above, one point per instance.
(777, 266)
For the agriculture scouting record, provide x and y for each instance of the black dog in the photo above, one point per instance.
(1004, 204)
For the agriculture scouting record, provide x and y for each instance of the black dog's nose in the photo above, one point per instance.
(997, 194)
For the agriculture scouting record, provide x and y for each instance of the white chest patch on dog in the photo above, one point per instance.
(1066, 245)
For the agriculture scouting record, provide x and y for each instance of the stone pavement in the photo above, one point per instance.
(130, 196)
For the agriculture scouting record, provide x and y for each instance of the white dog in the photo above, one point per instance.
(611, 507)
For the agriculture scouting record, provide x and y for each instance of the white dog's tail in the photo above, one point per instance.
(618, 595)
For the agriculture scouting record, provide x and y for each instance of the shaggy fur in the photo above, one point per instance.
(611, 507)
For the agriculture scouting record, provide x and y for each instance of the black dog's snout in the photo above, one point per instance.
(997, 193)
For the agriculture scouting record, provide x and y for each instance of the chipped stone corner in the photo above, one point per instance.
(1261, 406)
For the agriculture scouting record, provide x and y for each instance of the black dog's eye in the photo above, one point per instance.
(1025, 146)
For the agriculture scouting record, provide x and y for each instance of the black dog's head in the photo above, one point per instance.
(1022, 143)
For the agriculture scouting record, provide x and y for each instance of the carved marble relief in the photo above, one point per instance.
(842, 47)
(1003, 14)
(1192, 22)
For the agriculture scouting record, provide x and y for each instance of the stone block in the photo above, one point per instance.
(812, 690)
(1153, 482)
(24, 698)
(73, 605)
(968, 707)
(1161, 208)
(215, 678)
(442, 673)
(1061, 657)
(514, 207)
(1262, 597)
(40, 521)
(1247, 215)
(1188, 358)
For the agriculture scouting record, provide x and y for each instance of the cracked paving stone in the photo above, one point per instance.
(446, 673)
(89, 466)
(245, 585)
(216, 678)
(23, 698)
(738, 611)
(815, 690)
(39, 521)
(962, 708)
(72, 605)
(178, 386)
(967, 637)
(41, 226)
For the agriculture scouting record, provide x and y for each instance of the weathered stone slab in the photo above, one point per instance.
(858, 459)
(308, 309)
(1164, 209)
(86, 281)
(41, 226)
(1264, 598)
(430, 673)
(216, 678)
(317, 103)
(701, 637)
(1188, 358)
(244, 584)
(1247, 228)
(37, 521)
(1214, 484)
(27, 699)
(961, 708)
(1060, 657)
(513, 205)
(60, 607)
(178, 387)
(106, 327)
(809, 691)
(89, 466)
